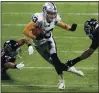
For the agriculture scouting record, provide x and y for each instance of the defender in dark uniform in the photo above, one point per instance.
(8, 55)
(91, 27)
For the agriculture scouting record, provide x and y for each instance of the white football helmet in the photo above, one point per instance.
(49, 11)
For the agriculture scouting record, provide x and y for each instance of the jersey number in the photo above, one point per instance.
(34, 18)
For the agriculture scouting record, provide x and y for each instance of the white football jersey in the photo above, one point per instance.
(42, 23)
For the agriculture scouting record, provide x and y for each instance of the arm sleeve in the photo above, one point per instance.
(95, 40)
(94, 45)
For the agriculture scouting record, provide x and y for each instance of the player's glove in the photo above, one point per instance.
(67, 65)
(30, 50)
(73, 27)
(20, 66)
(40, 36)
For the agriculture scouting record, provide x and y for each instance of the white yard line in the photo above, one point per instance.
(84, 68)
(67, 86)
(83, 14)
(39, 67)
(27, 13)
(74, 51)
(40, 3)
(28, 85)
(70, 37)
(20, 25)
(78, 52)
(13, 24)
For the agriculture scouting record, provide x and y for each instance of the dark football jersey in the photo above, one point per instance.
(95, 39)
(5, 58)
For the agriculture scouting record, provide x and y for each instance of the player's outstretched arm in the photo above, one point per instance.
(14, 66)
(87, 53)
(67, 27)
(24, 41)
(27, 40)
(84, 55)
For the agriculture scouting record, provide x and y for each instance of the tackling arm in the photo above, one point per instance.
(10, 65)
(85, 55)
(13, 65)
(22, 41)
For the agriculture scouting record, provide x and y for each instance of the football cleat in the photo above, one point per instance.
(61, 84)
(75, 71)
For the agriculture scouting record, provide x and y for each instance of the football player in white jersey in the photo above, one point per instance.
(40, 31)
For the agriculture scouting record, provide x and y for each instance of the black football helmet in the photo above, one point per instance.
(10, 47)
(89, 26)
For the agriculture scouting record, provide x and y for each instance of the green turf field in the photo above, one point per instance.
(38, 75)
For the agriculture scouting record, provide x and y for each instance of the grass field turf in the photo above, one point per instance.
(38, 75)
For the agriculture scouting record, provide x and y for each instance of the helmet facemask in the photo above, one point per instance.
(88, 31)
(7, 48)
(50, 16)
(11, 48)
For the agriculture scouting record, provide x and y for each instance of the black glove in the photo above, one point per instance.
(40, 36)
(71, 63)
(73, 27)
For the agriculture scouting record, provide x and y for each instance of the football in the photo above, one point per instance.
(37, 31)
